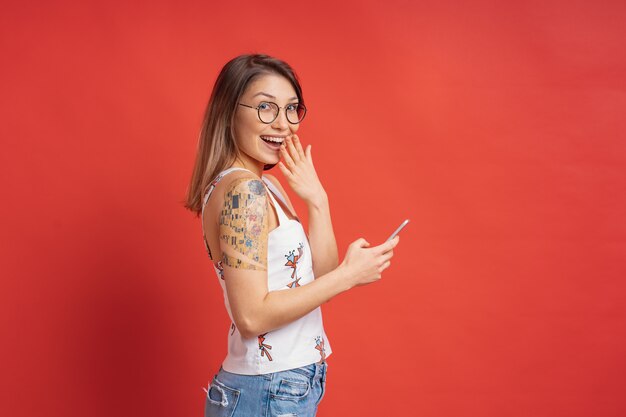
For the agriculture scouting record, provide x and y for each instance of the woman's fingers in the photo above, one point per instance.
(389, 245)
(298, 146)
(285, 170)
(292, 149)
(286, 157)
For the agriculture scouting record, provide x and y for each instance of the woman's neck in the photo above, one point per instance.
(249, 164)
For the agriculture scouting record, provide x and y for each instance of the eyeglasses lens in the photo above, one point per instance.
(295, 114)
(267, 112)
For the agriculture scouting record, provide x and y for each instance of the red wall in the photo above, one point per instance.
(496, 127)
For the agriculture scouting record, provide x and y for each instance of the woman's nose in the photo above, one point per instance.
(280, 122)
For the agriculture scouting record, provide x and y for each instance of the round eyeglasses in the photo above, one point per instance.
(268, 111)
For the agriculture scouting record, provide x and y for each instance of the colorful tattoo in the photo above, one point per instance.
(244, 225)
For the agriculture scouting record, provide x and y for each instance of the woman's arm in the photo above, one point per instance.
(321, 234)
(243, 236)
(244, 230)
(300, 173)
(322, 237)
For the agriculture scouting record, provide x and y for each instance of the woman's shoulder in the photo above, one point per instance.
(273, 180)
(276, 183)
(280, 188)
(235, 182)
(237, 179)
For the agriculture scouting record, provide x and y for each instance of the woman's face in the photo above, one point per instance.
(249, 129)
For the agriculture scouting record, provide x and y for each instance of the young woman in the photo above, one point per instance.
(274, 276)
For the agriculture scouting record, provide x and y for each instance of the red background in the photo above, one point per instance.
(496, 127)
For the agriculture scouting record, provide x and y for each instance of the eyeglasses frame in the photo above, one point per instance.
(257, 108)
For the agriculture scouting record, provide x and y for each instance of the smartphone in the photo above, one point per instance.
(404, 223)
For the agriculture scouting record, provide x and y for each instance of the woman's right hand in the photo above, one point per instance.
(365, 264)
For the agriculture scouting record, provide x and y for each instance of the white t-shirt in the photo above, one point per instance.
(299, 343)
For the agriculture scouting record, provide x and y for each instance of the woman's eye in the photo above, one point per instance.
(292, 107)
(264, 106)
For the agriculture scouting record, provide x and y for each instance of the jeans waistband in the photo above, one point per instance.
(315, 370)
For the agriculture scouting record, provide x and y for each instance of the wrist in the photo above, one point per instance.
(320, 201)
(344, 277)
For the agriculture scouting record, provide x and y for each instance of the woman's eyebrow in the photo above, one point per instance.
(271, 96)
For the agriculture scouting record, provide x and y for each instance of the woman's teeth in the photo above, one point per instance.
(272, 139)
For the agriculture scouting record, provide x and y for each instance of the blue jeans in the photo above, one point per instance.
(294, 392)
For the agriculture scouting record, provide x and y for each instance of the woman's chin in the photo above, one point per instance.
(270, 159)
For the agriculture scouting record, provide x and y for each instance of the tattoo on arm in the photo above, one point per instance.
(244, 225)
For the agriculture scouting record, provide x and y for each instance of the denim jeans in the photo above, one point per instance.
(294, 392)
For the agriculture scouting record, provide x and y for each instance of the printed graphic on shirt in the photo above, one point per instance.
(319, 345)
(232, 328)
(216, 180)
(244, 225)
(295, 283)
(264, 348)
(292, 261)
(206, 245)
(220, 269)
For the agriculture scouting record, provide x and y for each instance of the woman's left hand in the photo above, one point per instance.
(299, 171)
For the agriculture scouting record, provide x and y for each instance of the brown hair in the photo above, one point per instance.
(217, 149)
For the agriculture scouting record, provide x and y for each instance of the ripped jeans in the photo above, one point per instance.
(294, 392)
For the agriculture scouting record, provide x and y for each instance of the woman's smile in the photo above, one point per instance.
(273, 142)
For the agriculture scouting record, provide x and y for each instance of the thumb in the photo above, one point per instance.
(363, 243)
(307, 153)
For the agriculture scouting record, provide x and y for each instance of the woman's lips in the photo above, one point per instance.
(272, 145)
